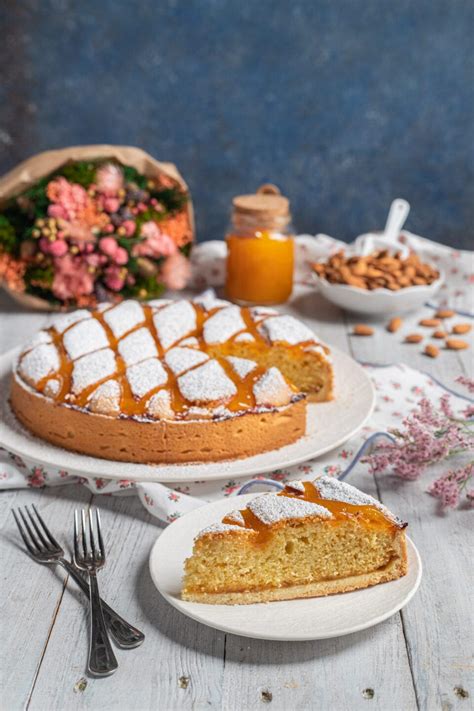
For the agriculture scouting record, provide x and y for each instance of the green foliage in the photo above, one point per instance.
(146, 216)
(186, 249)
(148, 283)
(40, 275)
(36, 198)
(7, 235)
(132, 175)
(81, 172)
(174, 199)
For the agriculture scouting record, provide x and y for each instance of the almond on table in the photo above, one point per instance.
(413, 338)
(361, 329)
(394, 324)
(431, 351)
(429, 322)
(444, 313)
(439, 334)
(461, 328)
(456, 344)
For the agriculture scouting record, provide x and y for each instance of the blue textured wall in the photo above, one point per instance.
(344, 104)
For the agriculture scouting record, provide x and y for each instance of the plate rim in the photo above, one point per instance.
(184, 472)
(176, 602)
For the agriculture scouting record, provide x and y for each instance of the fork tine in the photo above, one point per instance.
(76, 537)
(30, 532)
(43, 540)
(84, 534)
(99, 534)
(91, 533)
(45, 528)
(23, 534)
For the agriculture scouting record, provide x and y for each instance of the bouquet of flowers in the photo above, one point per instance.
(91, 224)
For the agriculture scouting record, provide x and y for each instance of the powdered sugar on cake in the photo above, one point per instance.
(206, 383)
(39, 362)
(92, 368)
(106, 398)
(271, 508)
(174, 322)
(84, 337)
(137, 346)
(146, 376)
(222, 325)
(334, 490)
(181, 359)
(272, 389)
(61, 323)
(285, 329)
(242, 366)
(124, 317)
(221, 528)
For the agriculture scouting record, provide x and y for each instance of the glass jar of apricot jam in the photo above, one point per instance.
(260, 250)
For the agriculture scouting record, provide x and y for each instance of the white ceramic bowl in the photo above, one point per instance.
(378, 301)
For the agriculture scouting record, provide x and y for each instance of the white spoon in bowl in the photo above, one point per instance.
(388, 239)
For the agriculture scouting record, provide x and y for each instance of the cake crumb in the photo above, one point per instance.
(368, 693)
(80, 686)
(266, 696)
(183, 682)
(461, 693)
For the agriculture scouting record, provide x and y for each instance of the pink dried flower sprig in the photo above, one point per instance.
(449, 487)
(467, 382)
(428, 435)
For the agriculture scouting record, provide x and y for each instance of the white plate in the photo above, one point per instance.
(328, 426)
(291, 620)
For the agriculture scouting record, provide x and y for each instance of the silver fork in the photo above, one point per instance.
(89, 555)
(44, 548)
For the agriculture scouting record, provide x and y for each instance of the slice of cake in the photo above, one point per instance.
(311, 539)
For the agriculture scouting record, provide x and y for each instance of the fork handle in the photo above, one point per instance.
(102, 661)
(123, 633)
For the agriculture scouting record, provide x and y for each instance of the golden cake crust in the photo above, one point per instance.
(157, 441)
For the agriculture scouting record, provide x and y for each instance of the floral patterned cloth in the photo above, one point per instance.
(399, 389)
(208, 264)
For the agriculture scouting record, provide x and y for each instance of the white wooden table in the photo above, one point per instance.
(420, 658)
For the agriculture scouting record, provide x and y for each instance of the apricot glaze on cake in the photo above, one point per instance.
(311, 539)
(171, 381)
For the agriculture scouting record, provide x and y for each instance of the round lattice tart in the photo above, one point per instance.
(312, 539)
(171, 381)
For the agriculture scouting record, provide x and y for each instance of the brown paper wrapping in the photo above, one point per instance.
(30, 171)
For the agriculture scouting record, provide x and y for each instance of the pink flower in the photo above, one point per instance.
(156, 243)
(71, 277)
(467, 382)
(176, 271)
(111, 248)
(111, 204)
(69, 199)
(129, 227)
(109, 179)
(428, 435)
(448, 488)
(115, 277)
(57, 248)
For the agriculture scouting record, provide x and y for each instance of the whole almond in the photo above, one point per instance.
(394, 324)
(432, 351)
(413, 338)
(439, 334)
(361, 329)
(455, 344)
(430, 322)
(444, 313)
(461, 328)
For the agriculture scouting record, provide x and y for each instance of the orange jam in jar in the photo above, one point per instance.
(260, 251)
